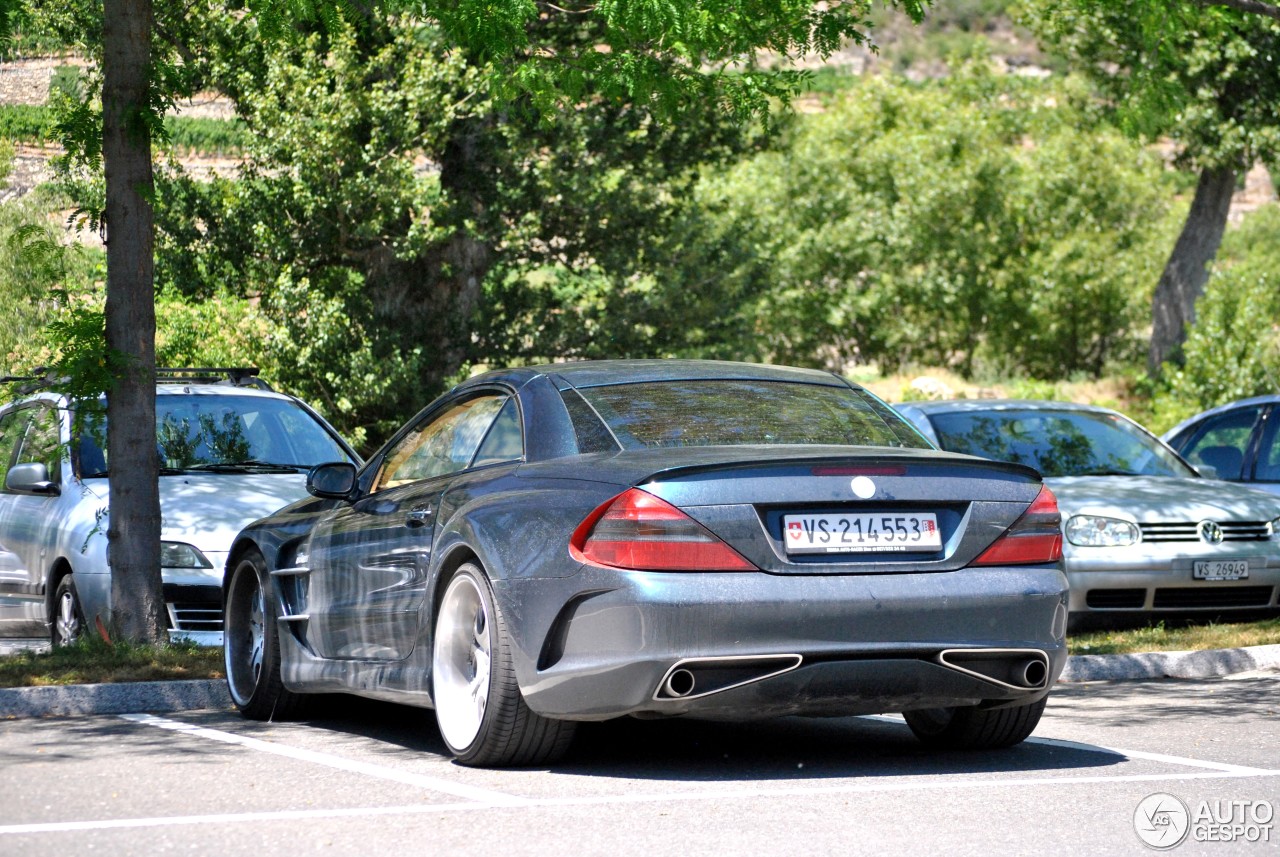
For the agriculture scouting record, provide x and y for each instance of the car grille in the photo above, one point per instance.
(195, 617)
(1213, 596)
(1232, 531)
(1115, 599)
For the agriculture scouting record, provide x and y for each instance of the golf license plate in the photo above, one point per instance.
(861, 533)
(1220, 569)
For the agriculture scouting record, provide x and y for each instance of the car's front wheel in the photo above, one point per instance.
(68, 617)
(975, 728)
(482, 716)
(251, 648)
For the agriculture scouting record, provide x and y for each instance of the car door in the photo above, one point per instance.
(369, 560)
(1266, 469)
(1224, 442)
(29, 522)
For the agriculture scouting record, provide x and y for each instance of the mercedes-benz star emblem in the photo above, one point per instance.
(1210, 533)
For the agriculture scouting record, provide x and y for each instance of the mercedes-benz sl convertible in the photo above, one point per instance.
(584, 541)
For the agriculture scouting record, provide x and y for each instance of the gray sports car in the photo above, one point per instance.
(584, 541)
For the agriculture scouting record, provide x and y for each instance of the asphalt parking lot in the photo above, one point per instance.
(370, 778)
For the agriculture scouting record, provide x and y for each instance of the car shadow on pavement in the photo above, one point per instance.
(782, 749)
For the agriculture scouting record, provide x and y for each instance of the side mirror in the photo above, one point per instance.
(333, 481)
(30, 478)
(1208, 471)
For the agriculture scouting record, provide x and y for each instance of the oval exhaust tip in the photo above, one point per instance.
(680, 683)
(1034, 673)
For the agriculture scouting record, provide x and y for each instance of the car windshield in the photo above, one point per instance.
(1059, 443)
(221, 433)
(740, 412)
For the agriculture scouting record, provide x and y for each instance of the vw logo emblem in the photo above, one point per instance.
(1210, 533)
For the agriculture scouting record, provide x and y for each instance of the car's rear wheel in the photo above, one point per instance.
(68, 616)
(482, 716)
(251, 648)
(975, 728)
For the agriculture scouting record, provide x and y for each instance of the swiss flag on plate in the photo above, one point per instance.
(794, 530)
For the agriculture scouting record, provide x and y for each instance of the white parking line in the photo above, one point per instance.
(435, 784)
(484, 799)
(1240, 770)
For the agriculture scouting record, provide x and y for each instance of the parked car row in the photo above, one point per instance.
(554, 544)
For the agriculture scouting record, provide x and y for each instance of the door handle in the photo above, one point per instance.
(419, 516)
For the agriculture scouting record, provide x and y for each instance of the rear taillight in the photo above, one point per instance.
(1036, 537)
(637, 530)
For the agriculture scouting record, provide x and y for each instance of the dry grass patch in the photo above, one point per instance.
(93, 661)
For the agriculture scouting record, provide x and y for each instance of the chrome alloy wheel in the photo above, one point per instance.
(461, 661)
(245, 637)
(66, 620)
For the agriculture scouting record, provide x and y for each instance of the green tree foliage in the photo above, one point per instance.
(378, 159)
(1204, 76)
(1233, 351)
(40, 276)
(981, 221)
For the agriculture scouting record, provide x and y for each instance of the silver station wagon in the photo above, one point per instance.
(231, 450)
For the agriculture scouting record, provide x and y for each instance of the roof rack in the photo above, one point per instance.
(42, 378)
(242, 376)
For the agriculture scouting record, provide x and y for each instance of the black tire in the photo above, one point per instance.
(66, 625)
(251, 647)
(975, 728)
(482, 715)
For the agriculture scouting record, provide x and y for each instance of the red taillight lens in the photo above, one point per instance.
(1034, 538)
(640, 531)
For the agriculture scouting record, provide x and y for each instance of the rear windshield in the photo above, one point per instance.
(737, 413)
(1059, 443)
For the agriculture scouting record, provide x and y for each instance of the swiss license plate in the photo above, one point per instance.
(861, 533)
(1220, 569)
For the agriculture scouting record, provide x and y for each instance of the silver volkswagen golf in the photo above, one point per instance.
(1144, 533)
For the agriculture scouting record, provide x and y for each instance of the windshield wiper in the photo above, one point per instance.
(1107, 473)
(250, 466)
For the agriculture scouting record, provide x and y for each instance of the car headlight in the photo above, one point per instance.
(179, 555)
(1094, 531)
(1274, 528)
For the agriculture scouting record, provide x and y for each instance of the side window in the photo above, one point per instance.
(42, 442)
(11, 427)
(1221, 442)
(444, 444)
(504, 441)
(591, 432)
(1268, 467)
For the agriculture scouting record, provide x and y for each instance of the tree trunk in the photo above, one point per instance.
(1174, 305)
(467, 174)
(133, 535)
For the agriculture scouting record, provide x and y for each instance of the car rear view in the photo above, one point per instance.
(584, 541)
(785, 546)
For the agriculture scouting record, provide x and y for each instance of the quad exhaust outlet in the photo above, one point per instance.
(697, 677)
(1021, 669)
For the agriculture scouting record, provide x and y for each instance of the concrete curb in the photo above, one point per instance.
(122, 698)
(165, 696)
(1199, 664)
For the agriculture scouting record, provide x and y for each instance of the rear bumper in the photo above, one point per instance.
(857, 643)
